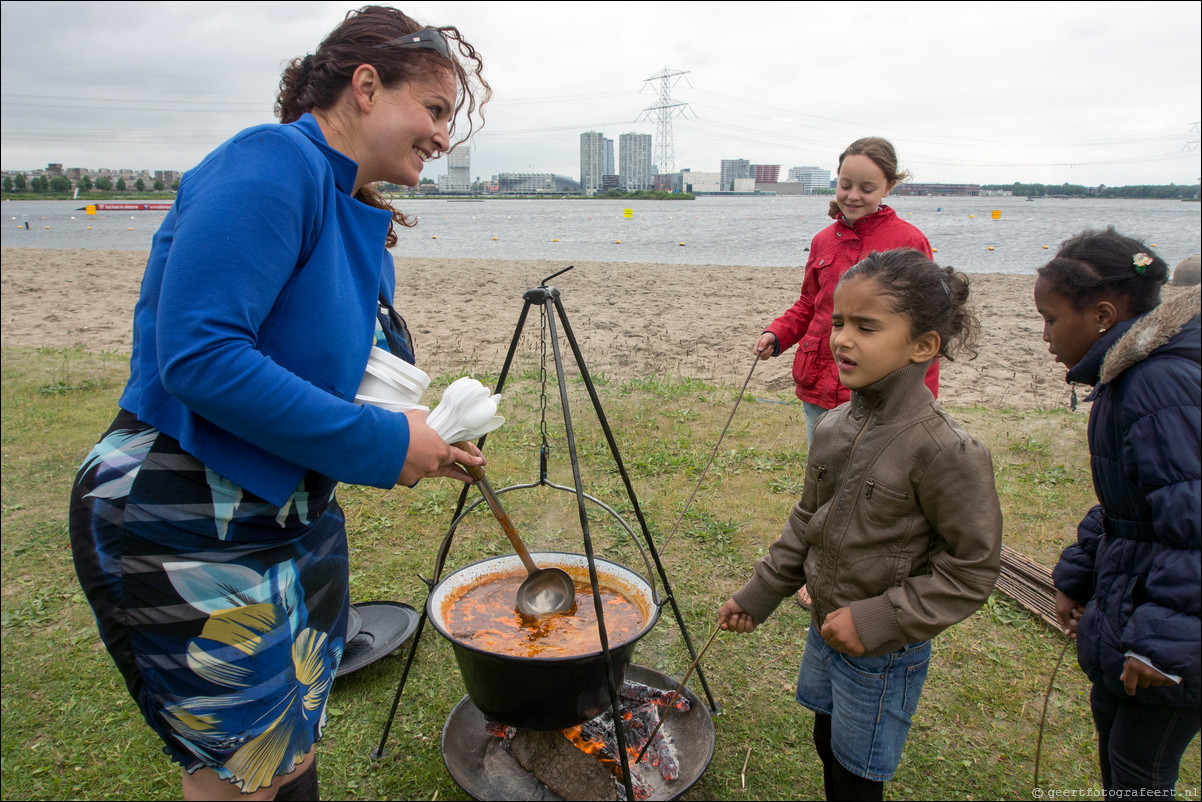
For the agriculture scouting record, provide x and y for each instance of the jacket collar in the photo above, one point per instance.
(1089, 369)
(345, 168)
(1150, 332)
(1134, 340)
(896, 396)
(866, 225)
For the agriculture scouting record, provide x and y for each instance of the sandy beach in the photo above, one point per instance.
(632, 320)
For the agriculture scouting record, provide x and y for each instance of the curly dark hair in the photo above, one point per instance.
(1096, 264)
(318, 80)
(931, 297)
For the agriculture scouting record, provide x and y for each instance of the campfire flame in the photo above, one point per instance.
(592, 746)
(640, 707)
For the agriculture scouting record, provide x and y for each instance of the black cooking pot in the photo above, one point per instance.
(541, 693)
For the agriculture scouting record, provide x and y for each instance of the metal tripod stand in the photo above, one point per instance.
(550, 305)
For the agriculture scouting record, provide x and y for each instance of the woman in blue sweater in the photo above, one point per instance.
(1128, 590)
(204, 525)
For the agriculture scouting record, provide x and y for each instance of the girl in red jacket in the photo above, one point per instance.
(868, 172)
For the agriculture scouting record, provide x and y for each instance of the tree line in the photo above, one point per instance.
(61, 185)
(1102, 191)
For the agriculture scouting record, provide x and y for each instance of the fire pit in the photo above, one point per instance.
(481, 763)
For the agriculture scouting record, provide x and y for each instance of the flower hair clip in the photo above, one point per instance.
(1141, 262)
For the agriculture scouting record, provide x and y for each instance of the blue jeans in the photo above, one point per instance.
(813, 412)
(871, 701)
(1139, 746)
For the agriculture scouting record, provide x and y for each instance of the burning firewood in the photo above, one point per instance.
(558, 764)
(638, 692)
(594, 744)
(642, 722)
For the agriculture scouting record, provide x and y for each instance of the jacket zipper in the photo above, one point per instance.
(855, 444)
(885, 489)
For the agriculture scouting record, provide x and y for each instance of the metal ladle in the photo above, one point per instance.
(546, 591)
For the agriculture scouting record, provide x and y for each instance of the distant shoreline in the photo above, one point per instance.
(93, 195)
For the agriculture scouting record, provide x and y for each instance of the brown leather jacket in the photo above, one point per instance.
(898, 519)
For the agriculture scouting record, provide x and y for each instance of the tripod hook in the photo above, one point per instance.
(553, 275)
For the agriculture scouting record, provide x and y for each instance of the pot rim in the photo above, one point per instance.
(505, 563)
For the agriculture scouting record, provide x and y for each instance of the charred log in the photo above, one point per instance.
(638, 692)
(569, 773)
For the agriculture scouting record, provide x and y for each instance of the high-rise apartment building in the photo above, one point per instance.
(459, 169)
(766, 173)
(733, 169)
(592, 161)
(634, 161)
(610, 167)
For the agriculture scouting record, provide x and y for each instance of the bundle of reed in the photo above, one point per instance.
(1029, 584)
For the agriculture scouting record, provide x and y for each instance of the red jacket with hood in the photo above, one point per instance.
(808, 323)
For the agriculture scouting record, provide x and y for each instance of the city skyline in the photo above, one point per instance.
(968, 92)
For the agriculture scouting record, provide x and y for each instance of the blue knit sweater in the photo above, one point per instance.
(257, 313)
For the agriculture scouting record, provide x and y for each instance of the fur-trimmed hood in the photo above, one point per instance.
(1151, 332)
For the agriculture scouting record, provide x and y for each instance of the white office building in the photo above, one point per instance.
(811, 178)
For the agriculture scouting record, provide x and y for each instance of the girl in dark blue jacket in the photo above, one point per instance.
(1129, 589)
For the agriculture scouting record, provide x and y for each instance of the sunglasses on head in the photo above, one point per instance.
(429, 38)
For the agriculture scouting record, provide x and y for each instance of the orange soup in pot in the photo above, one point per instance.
(484, 616)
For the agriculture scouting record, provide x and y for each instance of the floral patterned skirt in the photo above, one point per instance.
(225, 614)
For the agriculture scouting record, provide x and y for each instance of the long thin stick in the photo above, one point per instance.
(675, 694)
(1044, 716)
(743, 773)
(713, 454)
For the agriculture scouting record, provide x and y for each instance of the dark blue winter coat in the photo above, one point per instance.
(1138, 556)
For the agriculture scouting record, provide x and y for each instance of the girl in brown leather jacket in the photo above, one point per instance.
(898, 530)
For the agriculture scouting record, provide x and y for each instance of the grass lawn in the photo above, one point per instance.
(71, 732)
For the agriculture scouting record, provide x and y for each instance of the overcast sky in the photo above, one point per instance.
(985, 92)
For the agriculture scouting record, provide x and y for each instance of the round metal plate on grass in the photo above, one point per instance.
(354, 623)
(384, 627)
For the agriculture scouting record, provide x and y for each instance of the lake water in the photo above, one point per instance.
(758, 231)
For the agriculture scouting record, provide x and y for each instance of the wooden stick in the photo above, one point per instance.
(676, 694)
(743, 773)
